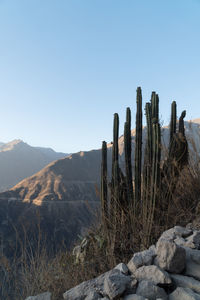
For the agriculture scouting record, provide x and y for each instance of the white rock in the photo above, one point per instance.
(168, 235)
(143, 258)
(186, 282)
(170, 256)
(153, 274)
(43, 296)
(150, 291)
(184, 294)
(122, 268)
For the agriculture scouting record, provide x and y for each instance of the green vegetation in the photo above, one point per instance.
(155, 179)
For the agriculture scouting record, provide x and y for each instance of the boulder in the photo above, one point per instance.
(153, 274)
(115, 284)
(43, 296)
(184, 294)
(186, 282)
(144, 258)
(170, 256)
(111, 284)
(150, 291)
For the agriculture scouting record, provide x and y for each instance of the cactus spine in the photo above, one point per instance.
(138, 149)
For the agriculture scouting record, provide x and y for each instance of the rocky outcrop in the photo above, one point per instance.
(168, 270)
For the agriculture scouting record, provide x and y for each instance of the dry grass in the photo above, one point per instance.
(36, 271)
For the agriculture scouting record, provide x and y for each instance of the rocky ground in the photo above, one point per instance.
(168, 270)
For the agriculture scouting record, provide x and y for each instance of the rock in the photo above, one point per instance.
(182, 231)
(111, 284)
(144, 258)
(184, 294)
(192, 269)
(168, 235)
(150, 291)
(43, 296)
(193, 241)
(170, 256)
(134, 297)
(131, 287)
(179, 241)
(122, 268)
(186, 282)
(153, 274)
(115, 284)
(192, 254)
(93, 296)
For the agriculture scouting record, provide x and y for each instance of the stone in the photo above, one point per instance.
(179, 241)
(93, 296)
(183, 294)
(134, 297)
(43, 296)
(131, 287)
(186, 282)
(112, 284)
(150, 291)
(122, 268)
(182, 231)
(144, 258)
(115, 284)
(168, 235)
(192, 269)
(193, 241)
(193, 254)
(153, 274)
(170, 256)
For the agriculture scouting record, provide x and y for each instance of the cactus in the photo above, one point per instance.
(104, 189)
(181, 123)
(138, 149)
(127, 150)
(154, 180)
(173, 121)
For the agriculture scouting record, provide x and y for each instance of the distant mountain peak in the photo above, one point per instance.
(10, 145)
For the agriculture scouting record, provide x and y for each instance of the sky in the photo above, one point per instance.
(66, 66)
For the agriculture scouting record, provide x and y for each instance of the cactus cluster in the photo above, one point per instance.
(150, 178)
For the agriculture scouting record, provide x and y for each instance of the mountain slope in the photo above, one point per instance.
(18, 160)
(65, 194)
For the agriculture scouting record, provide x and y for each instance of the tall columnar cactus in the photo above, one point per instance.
(181, 123)
(138, 149)
(115, 166)
(104, 187)
(127, 150)
(173, 121)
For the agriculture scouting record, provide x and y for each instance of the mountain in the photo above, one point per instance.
(65, 194)
(18, 160)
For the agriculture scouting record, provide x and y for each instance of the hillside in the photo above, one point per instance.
(19, 160)
(65, 194)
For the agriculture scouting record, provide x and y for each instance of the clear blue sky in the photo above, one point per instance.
(66, 66)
